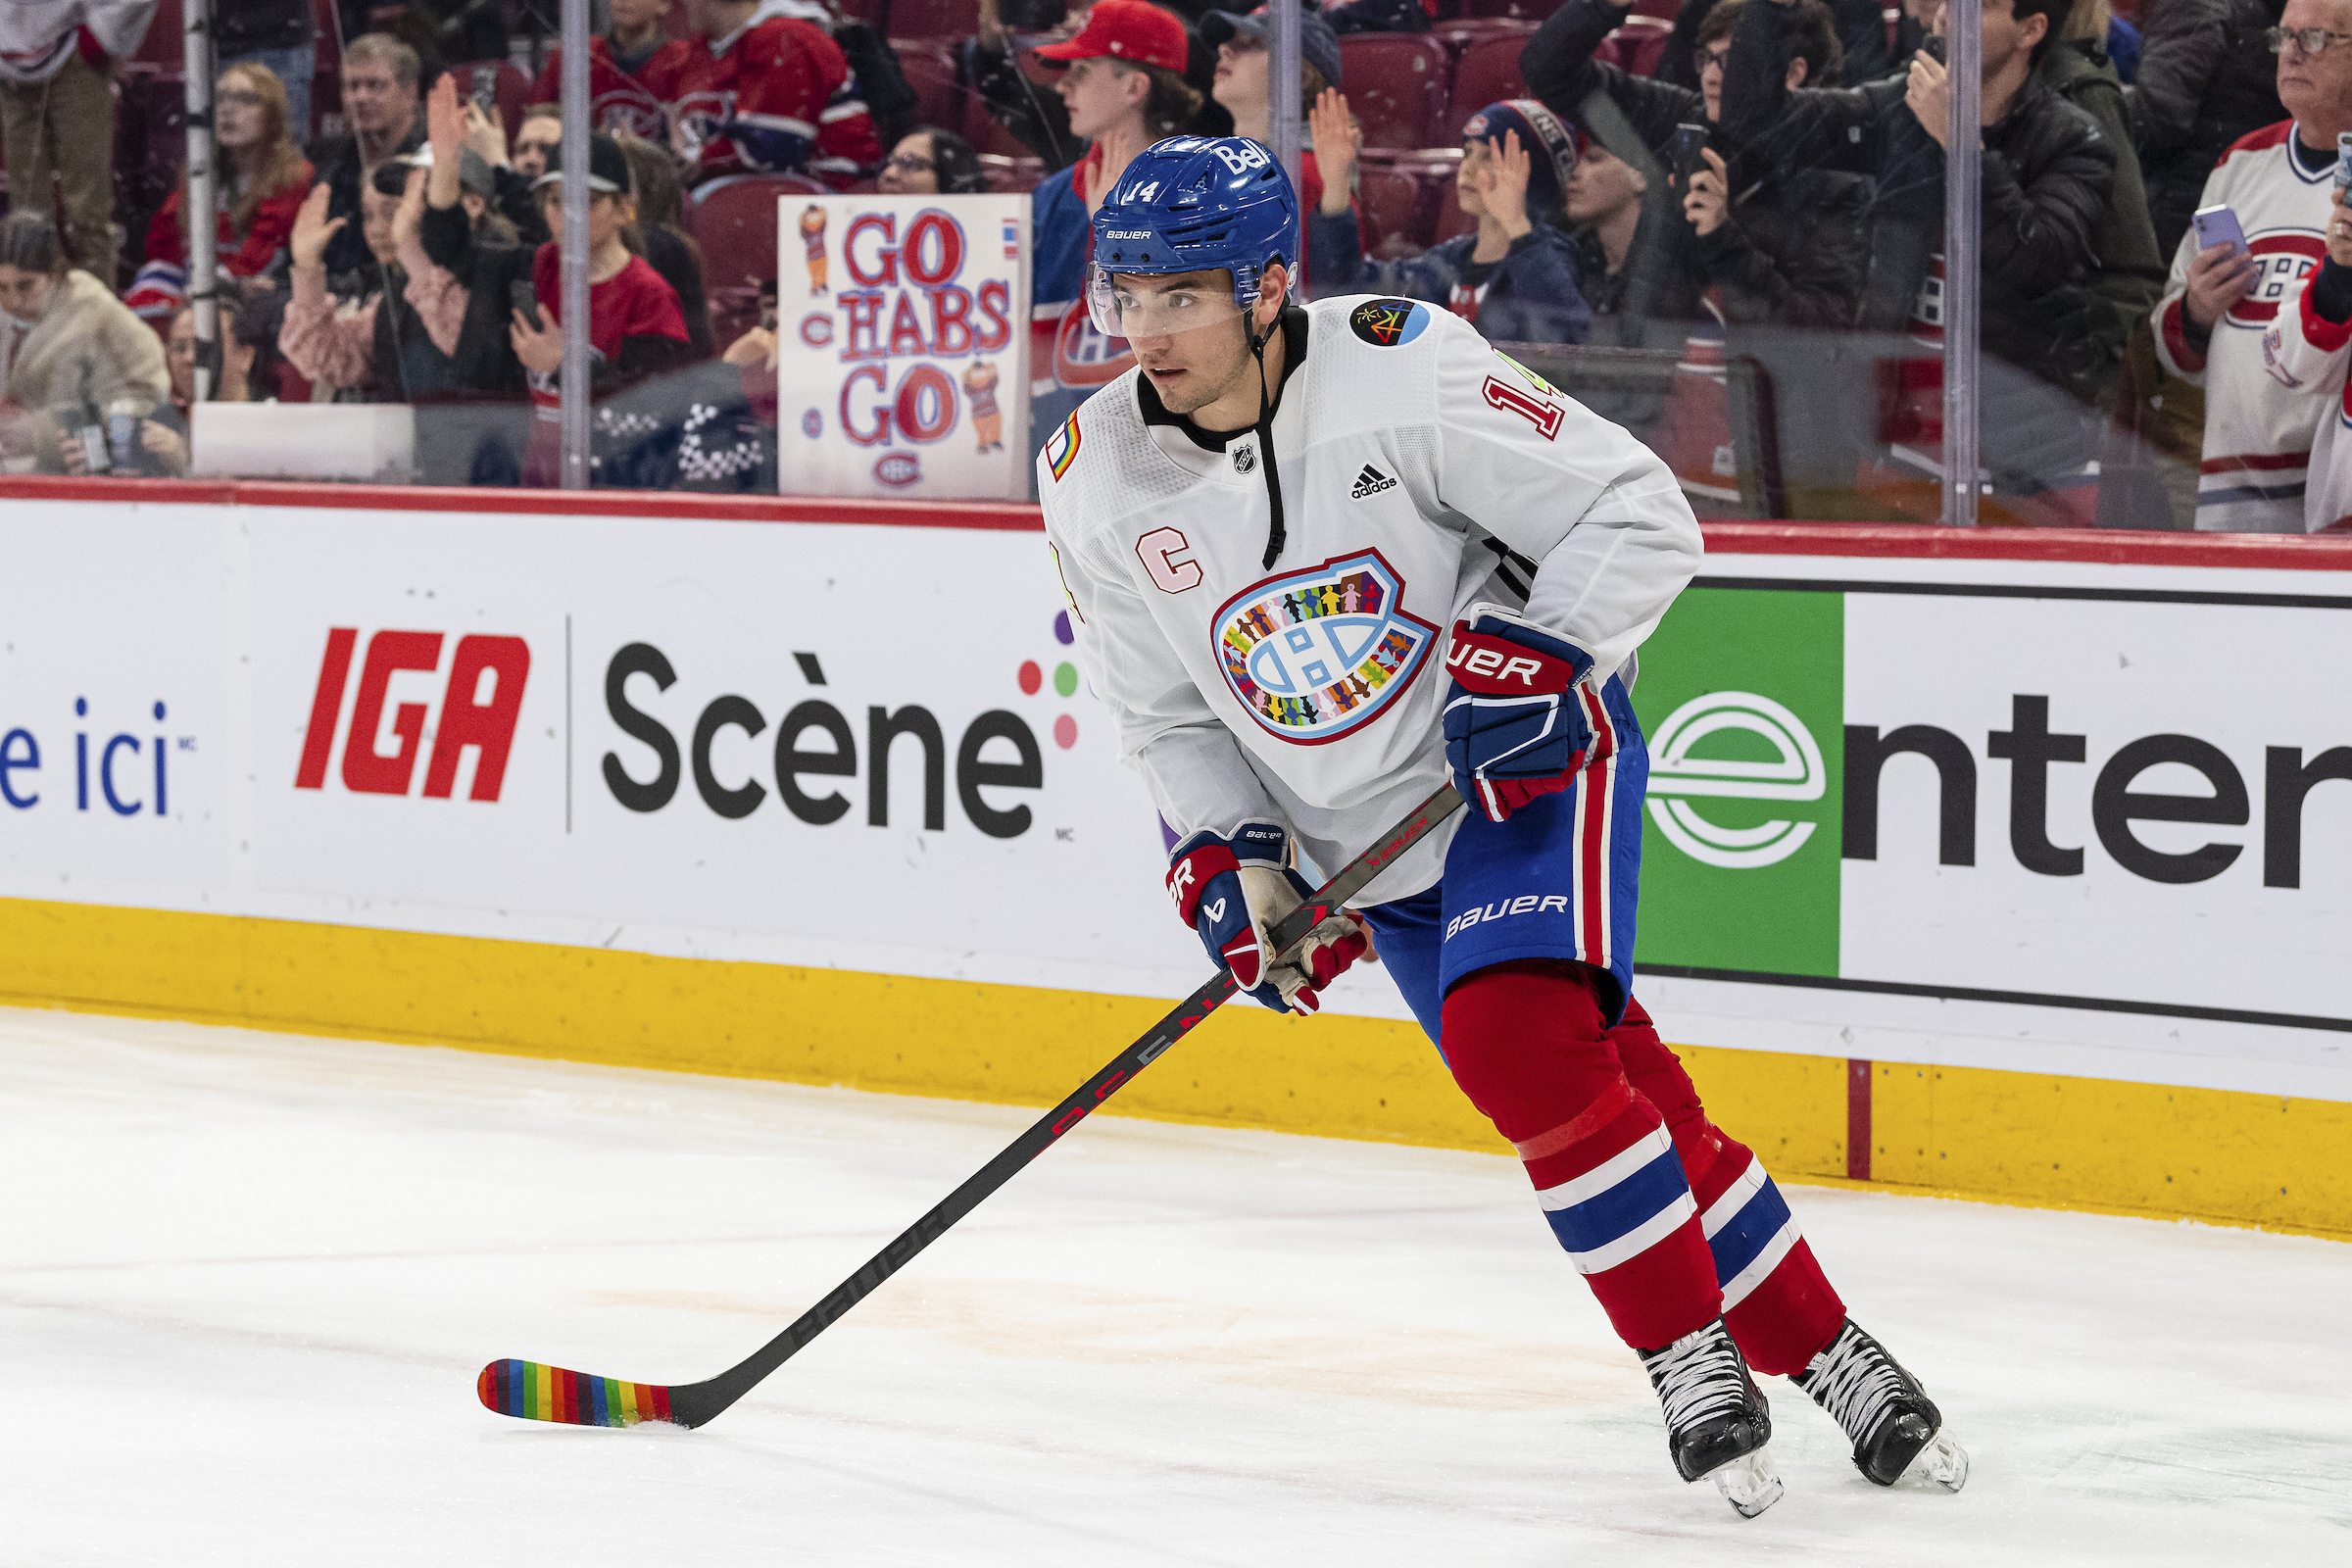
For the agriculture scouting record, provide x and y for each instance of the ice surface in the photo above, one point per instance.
(246, 1282)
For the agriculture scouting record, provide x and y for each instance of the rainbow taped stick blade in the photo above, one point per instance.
(537, 1391)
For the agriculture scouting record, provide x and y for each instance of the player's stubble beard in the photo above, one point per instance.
(1211, 371)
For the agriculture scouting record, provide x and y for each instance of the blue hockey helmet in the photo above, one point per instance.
(1190, 203)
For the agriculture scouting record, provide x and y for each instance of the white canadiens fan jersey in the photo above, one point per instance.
(2258, 430)
(2306, 351)
(1415, 463)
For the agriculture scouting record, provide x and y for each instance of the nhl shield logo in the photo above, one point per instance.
(1316, 655)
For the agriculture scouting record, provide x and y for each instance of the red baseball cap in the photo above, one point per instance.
(1126, 30)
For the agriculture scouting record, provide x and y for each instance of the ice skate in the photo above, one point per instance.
(1895, 1426)
(1717, 1422)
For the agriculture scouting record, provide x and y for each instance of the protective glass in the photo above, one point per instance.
(1133, 305)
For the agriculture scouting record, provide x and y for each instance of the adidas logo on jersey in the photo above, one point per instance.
(1370, 482)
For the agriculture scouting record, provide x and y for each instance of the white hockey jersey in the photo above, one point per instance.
(2305, 352)
(1416, 462)
(2258, 430)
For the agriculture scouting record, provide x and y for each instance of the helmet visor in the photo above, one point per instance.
(1150, 305)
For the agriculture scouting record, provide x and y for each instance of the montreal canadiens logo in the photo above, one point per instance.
(897, 468)
(1316, 655)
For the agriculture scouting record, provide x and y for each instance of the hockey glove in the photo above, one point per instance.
(1234, 891)
(1514, 726)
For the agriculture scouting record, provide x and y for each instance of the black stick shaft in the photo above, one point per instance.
(698, 1402)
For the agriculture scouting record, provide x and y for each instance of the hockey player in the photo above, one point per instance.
(1322, 559)
(767, 90)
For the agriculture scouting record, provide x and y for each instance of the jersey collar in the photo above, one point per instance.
(1293, 355)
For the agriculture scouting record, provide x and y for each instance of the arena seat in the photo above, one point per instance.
(938, 95)
(986, 133)
(1489, 73)
(1640, 43)
(927, 19)
(1662, 10)
(1518, 9)
(1011, 175)
(734, 220)
(1397, 83)
(1458, 35)
(1392, 210)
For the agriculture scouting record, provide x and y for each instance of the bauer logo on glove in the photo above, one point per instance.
(1233, 890)
(1515, 720)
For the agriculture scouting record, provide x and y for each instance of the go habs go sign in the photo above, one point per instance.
(900, 368)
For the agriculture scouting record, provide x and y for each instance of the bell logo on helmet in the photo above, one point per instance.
(1239, 156)
(1316, 655)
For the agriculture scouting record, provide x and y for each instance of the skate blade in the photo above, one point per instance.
(1749, 1482)
(1942, 1461)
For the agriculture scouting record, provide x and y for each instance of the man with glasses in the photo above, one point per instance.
(2221, 301)
(2205, 78)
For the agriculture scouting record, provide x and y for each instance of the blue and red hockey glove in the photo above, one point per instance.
(1233, 890)
(1513, 724)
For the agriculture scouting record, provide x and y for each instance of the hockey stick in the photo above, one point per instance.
(537, 1392)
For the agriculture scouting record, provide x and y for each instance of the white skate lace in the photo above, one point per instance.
(1697, 1376)
(1855, 1380)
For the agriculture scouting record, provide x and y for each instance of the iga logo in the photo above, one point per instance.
(1796, 773)
(479, 703)
(1315, 655)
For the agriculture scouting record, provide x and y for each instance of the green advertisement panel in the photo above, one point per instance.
(1743, 696)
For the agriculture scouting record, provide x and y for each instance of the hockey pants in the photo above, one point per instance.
(1671, 1221)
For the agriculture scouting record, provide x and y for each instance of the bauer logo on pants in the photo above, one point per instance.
(1316, 655)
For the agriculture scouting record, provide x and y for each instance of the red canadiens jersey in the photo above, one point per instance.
(776, 96)
(2258, 429)
(635, 101)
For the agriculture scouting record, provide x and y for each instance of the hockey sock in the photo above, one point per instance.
(1777, 1301)
(1526, 1042)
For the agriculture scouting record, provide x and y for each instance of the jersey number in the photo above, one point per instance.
(1543, 415)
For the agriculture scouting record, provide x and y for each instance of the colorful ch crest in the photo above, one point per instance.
(1316, 655)
(1061, 447)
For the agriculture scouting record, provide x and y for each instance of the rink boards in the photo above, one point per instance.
(2019, 866)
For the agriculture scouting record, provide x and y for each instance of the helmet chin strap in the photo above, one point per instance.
(1265, 433)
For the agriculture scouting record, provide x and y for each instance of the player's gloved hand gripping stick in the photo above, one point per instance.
(538, 1391)
(1514, 715)
(1235, 889)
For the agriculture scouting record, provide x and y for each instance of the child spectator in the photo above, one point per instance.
(635, 73)
(767, 90)
(348, 341)
(56, 113)
(1515, 276)
(929, 161)
(1242, 85)
(635, 327)
(261, 181)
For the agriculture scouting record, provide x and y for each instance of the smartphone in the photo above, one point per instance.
(485, 91)
(2217, 225)
(1683, 152)
(525, 299)
(2343, 159)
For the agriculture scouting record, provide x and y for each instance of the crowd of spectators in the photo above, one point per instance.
(1721, 222)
